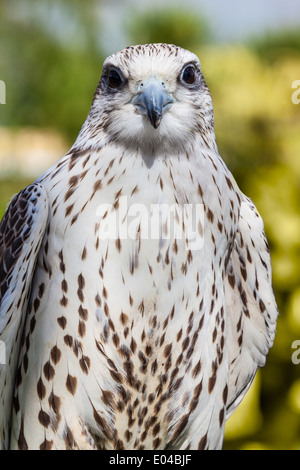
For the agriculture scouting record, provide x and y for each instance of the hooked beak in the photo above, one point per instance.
(153, 99)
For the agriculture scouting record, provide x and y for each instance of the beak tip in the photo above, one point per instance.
(154, 118)
(156, 123)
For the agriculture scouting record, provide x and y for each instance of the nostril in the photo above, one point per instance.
(141, 86)
(163, 84)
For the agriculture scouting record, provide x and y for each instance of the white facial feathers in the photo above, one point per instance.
(118, 113)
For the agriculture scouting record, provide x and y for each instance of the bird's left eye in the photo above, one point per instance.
(115, 79)
(189, 75)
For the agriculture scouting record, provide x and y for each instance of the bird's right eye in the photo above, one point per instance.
(115, 79)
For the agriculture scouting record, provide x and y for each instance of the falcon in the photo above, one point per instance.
(116, 337)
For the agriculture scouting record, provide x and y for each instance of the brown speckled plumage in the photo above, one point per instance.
(133, 342)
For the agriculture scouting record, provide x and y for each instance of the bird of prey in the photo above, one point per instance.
(118, 337)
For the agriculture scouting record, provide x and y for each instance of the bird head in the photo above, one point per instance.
(153, 96)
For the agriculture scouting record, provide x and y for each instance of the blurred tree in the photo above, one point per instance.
(181, 27)
(274, 44)
(50, 59)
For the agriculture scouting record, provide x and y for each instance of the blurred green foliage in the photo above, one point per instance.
(50, 60)
(51, 83)
(172, 26)
(272, 45)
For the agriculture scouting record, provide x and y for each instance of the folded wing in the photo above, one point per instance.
(21, 233)
(250, 303)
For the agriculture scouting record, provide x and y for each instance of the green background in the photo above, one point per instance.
(50, 60)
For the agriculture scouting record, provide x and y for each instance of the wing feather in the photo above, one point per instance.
(250, 303)
(21, 232)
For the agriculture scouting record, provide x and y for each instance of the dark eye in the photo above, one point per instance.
(189, 75)
(115, 78)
